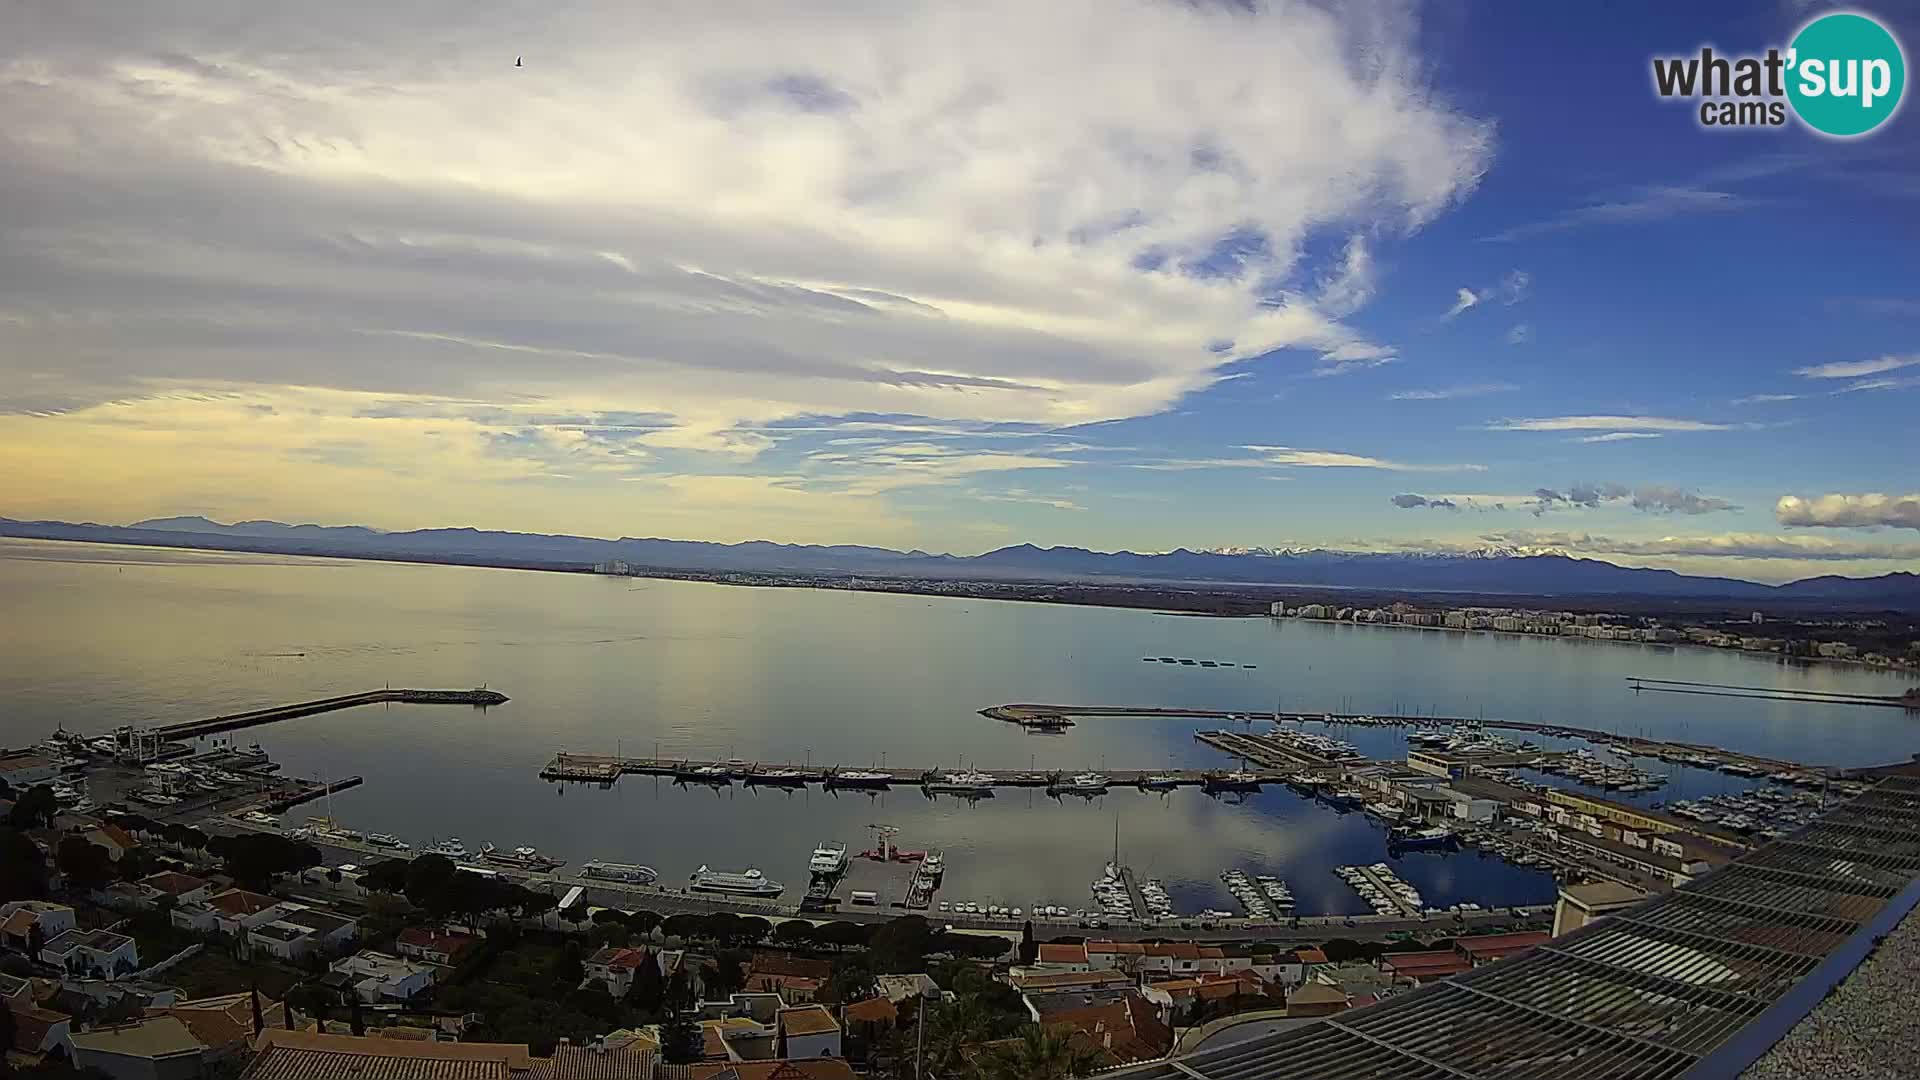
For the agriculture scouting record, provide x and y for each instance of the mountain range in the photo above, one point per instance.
(1491, 570)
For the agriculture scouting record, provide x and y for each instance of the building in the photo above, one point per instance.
(36, 1031)
(795, 1069)
(375, 976)
(900, 988)
(115, 839)
(1316, 998)
(1420, 968)
(614, 969)
(232, 912)
(1063, 957)
(1650, 861)
(797, 979)
(19, 920)
(1579, 905)
(307, 1055)
(154, 1048)
(1486, 948)
(329, 931)
(808, 1031)
(434, 944)
(597, 1061)
(224, 1024)
(184, 888)
(1123, 1032)
(22, 769)
(1038, 981)
(100, 952)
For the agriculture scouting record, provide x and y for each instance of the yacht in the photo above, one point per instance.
(386, 840)
(962, 783)
(778, 777)
(627, 873)
(1434, 837)
(749, 882)
(1082, 784)
(859, 778)
(1233, 781)
(521, 858)
(934, 864)
(1160, 782)
(705, 774)
(828, 858)
(451, 847)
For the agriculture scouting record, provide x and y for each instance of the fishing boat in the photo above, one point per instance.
(1341, 799)
(521, 858)
(1079, 784)
(1432, 837)
(1160, 782)
(748, 882)
(1233, 781)
(626, 873)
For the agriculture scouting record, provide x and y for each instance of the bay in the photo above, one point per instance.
(97, 636)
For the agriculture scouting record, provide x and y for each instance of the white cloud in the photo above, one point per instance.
(1722, 545)
(989, 212)
(1448, 393)
(1849, 369)
(1618, 436)
(1603, 423)
(1651, 204)
(1330, 459)
(1849, 511)
(1508, 290)
(1763, 399)
(1520, 334)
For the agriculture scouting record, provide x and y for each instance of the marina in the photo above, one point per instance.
(1378, 885)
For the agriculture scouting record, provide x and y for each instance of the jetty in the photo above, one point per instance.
(606, 768)
(213, 725)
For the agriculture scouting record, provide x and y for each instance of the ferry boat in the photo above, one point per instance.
(960, 783)
(451, 847)
(521, 858)
(828, 858)
(859, 778)
(627, 873)
(778, 777)
(749, 882)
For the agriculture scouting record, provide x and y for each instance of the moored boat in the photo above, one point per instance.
(626, 873)
(748, 882)
(521, 858)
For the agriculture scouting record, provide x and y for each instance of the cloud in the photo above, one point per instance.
(1329, 459)
(1763, 399)
(1901, 383)
(1520, 334)
(1849, 511)
(1849, 369)
(1878, 305)
(1650, 204)
(1602, 423)
(1508, 290)
(971, 214)
(1448, 393)
(1411, 502)
(1618, 436)
(1647, 499)
(1724, 545)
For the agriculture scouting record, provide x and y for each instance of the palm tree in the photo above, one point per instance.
(1039, 1054)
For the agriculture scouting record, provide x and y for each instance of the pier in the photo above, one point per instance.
(272, 714)
(606, 768)
(1660, 748)
(1406, 909)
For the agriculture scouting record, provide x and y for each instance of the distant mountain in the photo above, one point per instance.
(1487, 571)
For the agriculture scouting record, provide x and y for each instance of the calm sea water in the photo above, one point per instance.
(97, 636)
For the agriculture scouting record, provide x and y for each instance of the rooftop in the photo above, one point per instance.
(1698, 981)
(308, 1055)
(172, 882)
(153, 1037)
(808, 1020)
(99, 940)
(1063, 954)
(240, 902)
(1595, 894)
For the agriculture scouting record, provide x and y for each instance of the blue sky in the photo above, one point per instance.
(1136, 276)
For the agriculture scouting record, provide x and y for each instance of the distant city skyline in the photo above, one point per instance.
(1135, 277)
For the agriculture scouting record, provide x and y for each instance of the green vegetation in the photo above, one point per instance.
(215, 970)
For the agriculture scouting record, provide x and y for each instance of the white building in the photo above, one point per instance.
(19, 918)
(809, 1031)
(85, 951)
(376, 977)
(22, 769)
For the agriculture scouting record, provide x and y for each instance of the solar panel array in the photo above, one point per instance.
(1643, 994)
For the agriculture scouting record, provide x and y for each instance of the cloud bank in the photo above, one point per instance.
(1849, 511)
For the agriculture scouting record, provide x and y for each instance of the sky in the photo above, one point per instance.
(1118, 275)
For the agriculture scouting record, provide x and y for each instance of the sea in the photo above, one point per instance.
(97, 636)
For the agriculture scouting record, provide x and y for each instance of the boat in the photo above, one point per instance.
(1233, 781)
(385, 840)
(1432, 837)
(1160, 782)
(778, 777)
(451, 848)
(627, 873)
(960, 783)
(748, 882)
(521, 858)
(828, 858)
(859, 778)
(1082, 784)
(934, 865)
(1341, 799)
(718, 775)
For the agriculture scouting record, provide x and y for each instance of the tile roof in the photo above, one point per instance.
(438, 939)
(173, 883)
(31, 1024)
(784, 963)
(118, 836)
(874, 1010)
(1310, 954)
(1317, 993)
(1501, 944)
(1129, 1029)
(224, 1020)
(1054, 980)
(791, 1069)
(589, 1063)
(240, 902)
(807, 1020)
(1063, 954)
(306, 1055)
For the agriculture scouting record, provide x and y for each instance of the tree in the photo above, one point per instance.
(571, 970)
(842, 935)
(793, 933)
(23, 869)
(255, 859)
(643, 922)
(87, 865)
(681, 1040)
(259, 1022)
(679, 993)
(34, 809)
(1041, 1054)
(649, 986)
(428, 878)
(683, 925)
(852, 979)
(1029, 948)
(386, 876)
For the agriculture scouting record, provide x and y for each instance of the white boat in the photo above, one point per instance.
(749, 882)
(521, 858)
(828, 858)
(963, 782)
(451, 848)
(386, 840)
(859, 778)
(629, 873)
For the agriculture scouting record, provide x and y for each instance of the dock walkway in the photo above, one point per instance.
(606, 768)
(1387, 890)
(213, 725)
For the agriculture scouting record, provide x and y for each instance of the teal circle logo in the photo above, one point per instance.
(1845, 74)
